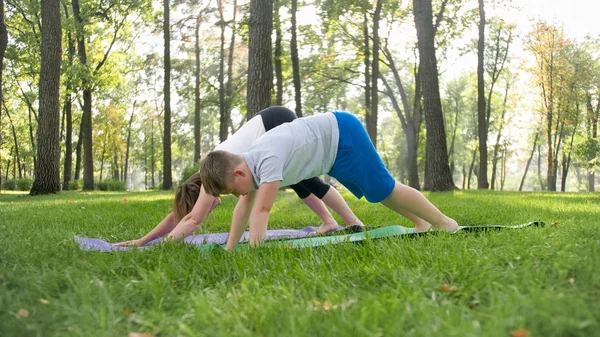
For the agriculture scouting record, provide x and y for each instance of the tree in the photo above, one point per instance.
(47, 172)
(437, 170)
(3, 44)
(260, 65)
(371, 118)
(295, 61)
(482, 182)
(167, 177)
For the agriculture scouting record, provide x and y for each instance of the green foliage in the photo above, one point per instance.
(10, 185)
(111, 185)
(24, 184)
(75, 185)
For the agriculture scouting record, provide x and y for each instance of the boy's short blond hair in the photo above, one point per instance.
(216, 171)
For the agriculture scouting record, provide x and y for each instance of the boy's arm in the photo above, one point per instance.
(189, 223)
(161, 229)
(259, 218)
(241, 213)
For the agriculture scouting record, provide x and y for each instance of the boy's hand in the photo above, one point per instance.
(259, 218)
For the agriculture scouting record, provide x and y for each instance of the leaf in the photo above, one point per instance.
(520, 333)
(447, 288)
(125, 201)
(22, 313)
(44, 301)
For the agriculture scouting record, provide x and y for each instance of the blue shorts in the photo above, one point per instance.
(357, 164)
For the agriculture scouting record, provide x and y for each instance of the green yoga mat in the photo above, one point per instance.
(378, 233)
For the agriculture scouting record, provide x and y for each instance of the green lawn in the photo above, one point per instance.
(543, 280)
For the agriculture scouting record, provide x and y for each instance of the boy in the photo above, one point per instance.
(333, 143)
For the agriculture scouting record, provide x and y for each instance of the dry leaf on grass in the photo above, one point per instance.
(447, 288)
(23, 313)
(44, 301)
(125, 201)
(520, 333)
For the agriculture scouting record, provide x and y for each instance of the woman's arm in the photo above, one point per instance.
(192, 221)
(161, 229)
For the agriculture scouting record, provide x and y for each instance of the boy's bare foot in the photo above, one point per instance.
(325, 228)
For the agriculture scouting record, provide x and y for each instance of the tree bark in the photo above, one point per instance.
(296, 61)
(367, 63)
(47, 171)
(498, 136)
(3, 45)
(537, 135)
(437, 170)
(229, 83)
(260, 65)
(278, 55)
(86, 118)
(68, 108)
(197, 102)
(17, 162)
(223, 117)
(167, 178)
(482, 182)
(371, 120)
(126, 170)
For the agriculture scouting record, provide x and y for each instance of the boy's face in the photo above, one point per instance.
(242, 183)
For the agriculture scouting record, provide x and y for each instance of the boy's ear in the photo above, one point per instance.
(238, 172)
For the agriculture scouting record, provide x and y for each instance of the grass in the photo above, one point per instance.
(543, 280)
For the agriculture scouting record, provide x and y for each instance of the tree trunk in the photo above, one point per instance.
(167, 178)
(86, 118)
(3, 44)
(296, 61)
(17, 162)
(31, 136)
(407, 121)
(278, 55)
(498, 136)
(78, 149)
(260, 65)
(367, 62)
(539, 168)
(437, 170)
(223, 117)
(452, 141)
(537, 134)
(229, 84)
(371, 120)
(47, 171)
(126, 170)
(152, 157)
(197, 102)
(471, 168)
(68, 108)
(482, 182)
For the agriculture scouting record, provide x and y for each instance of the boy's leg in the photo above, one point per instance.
(412, 204)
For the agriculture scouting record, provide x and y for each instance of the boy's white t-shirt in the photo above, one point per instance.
(295, 151)
(240, 141)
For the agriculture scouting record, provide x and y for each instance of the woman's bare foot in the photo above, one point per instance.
(325, 228)
(422, 227)
(450, 226)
